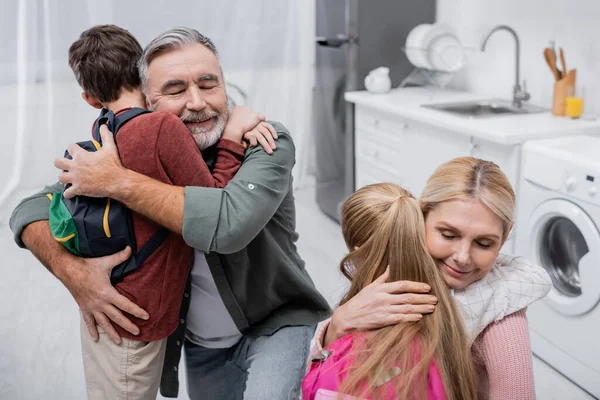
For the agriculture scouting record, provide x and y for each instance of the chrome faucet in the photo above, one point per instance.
(519, 94)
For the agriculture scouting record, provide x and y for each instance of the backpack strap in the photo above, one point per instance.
(115, 122)
(151, 245)
(106, 117)
(126, 116)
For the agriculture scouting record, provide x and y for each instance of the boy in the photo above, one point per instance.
(160, 146)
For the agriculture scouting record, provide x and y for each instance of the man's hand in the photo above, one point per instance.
(92, 174)
(99, 301)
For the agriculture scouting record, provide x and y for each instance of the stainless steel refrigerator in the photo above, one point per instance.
(353, 38)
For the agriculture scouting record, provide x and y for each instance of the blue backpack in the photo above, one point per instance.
(97, 227)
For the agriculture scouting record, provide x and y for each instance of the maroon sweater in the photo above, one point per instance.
(160, 146)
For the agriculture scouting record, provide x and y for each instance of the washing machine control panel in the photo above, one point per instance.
(570, 183)
(581, 184)
(578, 179)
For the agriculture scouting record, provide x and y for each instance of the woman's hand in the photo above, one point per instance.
(381, 304)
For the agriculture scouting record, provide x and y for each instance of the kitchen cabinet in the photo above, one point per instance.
(392, 148)
(399, 140)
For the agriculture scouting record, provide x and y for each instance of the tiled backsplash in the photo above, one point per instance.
(572, 25)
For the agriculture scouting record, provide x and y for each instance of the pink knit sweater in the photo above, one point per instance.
(505, 365)
(503, 358)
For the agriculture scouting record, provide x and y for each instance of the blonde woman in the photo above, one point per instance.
(468, 205)
(383, 226)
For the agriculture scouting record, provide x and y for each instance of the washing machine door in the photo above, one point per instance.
(566, 242)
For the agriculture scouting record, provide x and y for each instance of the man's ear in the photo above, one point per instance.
(91, 100)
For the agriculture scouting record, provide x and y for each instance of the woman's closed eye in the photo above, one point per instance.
(484, 245)
(448, 235)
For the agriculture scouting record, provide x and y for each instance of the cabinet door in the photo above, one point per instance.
(398, 150)
(378, 149)
(426, 148)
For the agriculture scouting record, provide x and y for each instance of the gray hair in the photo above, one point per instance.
(173, 39)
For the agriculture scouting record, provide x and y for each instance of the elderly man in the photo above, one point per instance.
(252, 305)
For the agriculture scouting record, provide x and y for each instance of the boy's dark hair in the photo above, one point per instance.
(104, 60)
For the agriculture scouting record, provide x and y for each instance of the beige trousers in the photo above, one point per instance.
(129, 371)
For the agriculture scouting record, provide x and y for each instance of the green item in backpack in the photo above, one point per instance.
(62, 225)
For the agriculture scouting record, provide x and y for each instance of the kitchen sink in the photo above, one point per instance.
(484, 108)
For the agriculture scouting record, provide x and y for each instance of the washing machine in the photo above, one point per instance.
(558, 221)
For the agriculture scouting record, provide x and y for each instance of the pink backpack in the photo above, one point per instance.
(326, 374)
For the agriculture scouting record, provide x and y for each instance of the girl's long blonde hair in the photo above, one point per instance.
(383, 225)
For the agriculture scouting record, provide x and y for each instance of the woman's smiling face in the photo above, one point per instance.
(464, 237)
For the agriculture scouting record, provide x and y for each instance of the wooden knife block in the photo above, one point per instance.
(562, 89)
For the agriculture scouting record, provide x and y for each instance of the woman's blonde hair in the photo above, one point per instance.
(471, 178)
(383, 226)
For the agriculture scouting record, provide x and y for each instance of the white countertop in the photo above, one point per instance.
(503, 129)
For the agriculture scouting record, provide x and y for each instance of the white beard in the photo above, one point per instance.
(207, 138)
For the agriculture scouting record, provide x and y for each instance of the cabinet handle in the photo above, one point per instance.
(473, 147)
(376, 122)
(372, 153)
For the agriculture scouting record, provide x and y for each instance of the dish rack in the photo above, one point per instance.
(428, 77)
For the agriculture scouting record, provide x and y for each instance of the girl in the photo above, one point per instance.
(383, 226)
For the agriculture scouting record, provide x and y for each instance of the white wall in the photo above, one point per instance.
(571, 24)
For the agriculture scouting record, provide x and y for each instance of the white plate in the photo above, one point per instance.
(415, 51)
(436, 30)
(446, 54)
